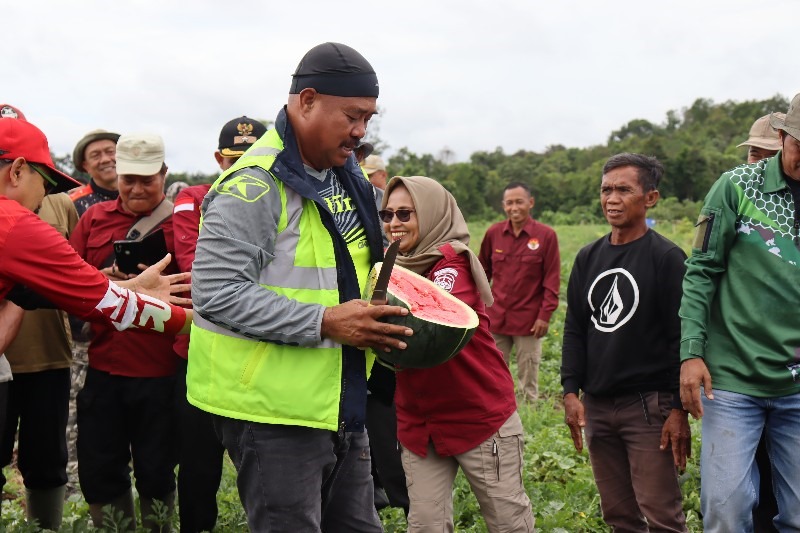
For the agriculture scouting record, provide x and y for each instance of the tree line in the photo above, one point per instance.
(696, 144)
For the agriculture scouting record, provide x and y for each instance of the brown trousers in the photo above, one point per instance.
(636, 480)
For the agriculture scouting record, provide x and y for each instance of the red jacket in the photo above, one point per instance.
(460, 403)
(525, 272)
(186, 225)
(125, 353)
(34, 254)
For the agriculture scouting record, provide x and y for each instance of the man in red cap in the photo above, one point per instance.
(33, 254)
(36, 417)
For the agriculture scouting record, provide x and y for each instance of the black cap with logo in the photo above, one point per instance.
(238, 135)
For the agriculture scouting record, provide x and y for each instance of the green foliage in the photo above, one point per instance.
(696, 145)
(197, 178)
(674, 209)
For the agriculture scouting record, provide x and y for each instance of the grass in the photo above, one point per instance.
(558, 480)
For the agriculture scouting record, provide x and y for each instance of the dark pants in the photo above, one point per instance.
(4, 385)
(122, 418)
(767, 508)
(382, 428)
(199, 460)
(38, 404)
(635, 479)
(296, 479)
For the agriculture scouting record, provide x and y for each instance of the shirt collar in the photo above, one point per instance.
(122, 210)
(527, 227)
(774, 179)
(108, 193)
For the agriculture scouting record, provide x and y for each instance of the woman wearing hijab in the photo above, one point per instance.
(461, 413)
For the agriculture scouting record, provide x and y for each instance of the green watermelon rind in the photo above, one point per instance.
(430, 336)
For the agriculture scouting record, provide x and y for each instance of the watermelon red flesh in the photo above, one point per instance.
(424, 302)
(442, 323)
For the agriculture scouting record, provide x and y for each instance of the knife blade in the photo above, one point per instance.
(379, 294)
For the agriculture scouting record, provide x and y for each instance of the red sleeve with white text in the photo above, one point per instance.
(34, 254)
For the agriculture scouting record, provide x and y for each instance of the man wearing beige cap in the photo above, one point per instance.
(125, 408)
(740, 334)
(375, 168)
(763, 141)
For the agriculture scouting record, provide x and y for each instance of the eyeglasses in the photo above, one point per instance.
(403, 215)
(49, 183)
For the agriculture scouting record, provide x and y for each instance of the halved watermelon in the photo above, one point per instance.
(442, 323)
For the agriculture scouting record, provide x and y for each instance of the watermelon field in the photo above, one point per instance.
(558, 480)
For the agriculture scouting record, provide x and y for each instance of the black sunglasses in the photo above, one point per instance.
(403, 215)
(49, 183)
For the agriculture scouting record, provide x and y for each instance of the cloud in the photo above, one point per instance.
(464, 75)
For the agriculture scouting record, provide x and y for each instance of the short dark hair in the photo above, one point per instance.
(518, 185)
(649, 168)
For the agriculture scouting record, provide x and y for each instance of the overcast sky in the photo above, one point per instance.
(466, 75)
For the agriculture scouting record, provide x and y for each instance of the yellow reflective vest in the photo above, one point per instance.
(238, 377)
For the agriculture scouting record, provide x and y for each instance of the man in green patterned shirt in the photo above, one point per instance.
(741, 329)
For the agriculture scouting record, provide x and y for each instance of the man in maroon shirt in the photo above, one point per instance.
(200, 451)
(522, 261)
(125, 408)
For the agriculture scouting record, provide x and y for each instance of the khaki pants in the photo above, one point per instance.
(494, 471)
(529, 355)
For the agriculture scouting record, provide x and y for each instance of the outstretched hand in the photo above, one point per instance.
(152, 283)
(355, 323)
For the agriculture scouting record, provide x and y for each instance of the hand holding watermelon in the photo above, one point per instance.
(356, 323)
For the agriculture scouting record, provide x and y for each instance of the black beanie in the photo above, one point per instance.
(337, 70)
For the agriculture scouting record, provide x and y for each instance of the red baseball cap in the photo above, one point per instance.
(19, 138)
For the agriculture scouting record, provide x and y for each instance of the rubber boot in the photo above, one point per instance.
(46, 506)
(147, 508)
(123, 502)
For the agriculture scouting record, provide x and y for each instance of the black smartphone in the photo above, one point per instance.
(148, 250)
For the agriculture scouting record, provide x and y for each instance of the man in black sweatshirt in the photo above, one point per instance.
(621, 347)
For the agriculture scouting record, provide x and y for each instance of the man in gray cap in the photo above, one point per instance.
(763, 141)
(289, 234)
(95, 154)
(740, 328)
